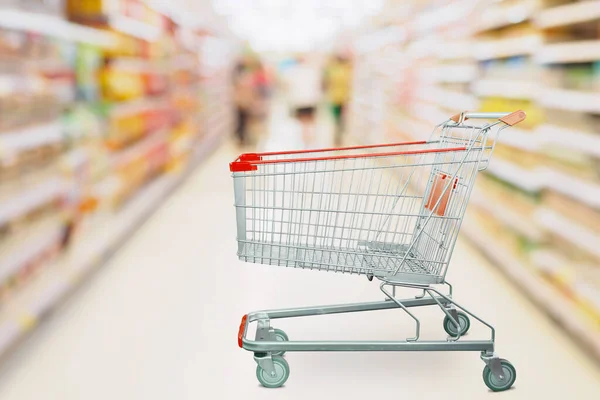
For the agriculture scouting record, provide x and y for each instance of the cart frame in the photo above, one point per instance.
(270, 344)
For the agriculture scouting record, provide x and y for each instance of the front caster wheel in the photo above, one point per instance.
(496, 384)
(463, 321)
(280, 336)
(282, 373)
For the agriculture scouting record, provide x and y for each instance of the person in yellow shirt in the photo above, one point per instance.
(338, 76)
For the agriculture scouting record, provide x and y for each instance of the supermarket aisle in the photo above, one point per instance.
(160, 322)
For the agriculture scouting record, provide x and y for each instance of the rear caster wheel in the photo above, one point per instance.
(281, 374)
(280, 336)
(463, 321)
(496, 384)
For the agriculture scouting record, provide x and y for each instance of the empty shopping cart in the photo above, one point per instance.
(390, 211)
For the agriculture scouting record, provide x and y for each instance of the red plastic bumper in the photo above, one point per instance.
(241, 331)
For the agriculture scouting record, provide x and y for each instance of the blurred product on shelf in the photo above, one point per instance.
(538, 200)
(88, 127)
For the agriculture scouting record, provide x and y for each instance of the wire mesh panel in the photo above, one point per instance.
(387, 214)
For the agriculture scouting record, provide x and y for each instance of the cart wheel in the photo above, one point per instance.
(463, 321)
(280, 336)
(282, 373)
(496, 384)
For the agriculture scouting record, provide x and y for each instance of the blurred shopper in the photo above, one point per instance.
(303, 82)
(338, 77)
(262, 87)
(244, 98)
(263, 81)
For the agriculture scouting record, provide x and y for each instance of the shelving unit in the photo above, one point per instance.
(535, 211)
(48, 288)
(566, 14)
(540, 291)
(124, 121)
(53, 26)
(570, 100)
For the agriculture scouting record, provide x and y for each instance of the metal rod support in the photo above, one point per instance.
(474, 345)
(339, 309)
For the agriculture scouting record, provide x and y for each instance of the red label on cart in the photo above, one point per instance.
(441, 189)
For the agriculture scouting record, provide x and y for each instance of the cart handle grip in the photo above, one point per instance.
(508, 118)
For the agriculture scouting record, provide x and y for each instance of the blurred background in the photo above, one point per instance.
(106, 106)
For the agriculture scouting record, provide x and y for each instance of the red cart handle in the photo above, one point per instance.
(250, 162)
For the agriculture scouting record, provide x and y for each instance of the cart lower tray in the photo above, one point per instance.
(369, 259)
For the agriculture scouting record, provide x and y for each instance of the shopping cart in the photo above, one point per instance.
(389, 211)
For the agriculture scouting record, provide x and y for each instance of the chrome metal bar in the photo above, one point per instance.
(471, 345)
(490, 115)
(399, 303)
(339, 309)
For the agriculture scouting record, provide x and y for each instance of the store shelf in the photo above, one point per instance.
(433, 18)
(449, 99)
(181, 147)
(506, 215)
(45, 291)
(588, 143)
(185, 62)
(139, 65)
(503, 48)
(55, 27)
(568, 14)
(20, 204)
(585, 191)
(417, 130)
(385, 37)
(137, 150)
(139, 106)
(31, 248)
(583, 292)
(571, 100)
(458, 73)
(543, 294)
(181, 15)
(569, 230)
(529, 180)
(456, 50)
(135, 28)
(521, 139)
(507, 88)
(571, 52)
(499, 17)
(449, 69)
(30, 137)
(430, 114)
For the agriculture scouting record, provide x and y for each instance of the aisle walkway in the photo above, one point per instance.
(160, 322)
